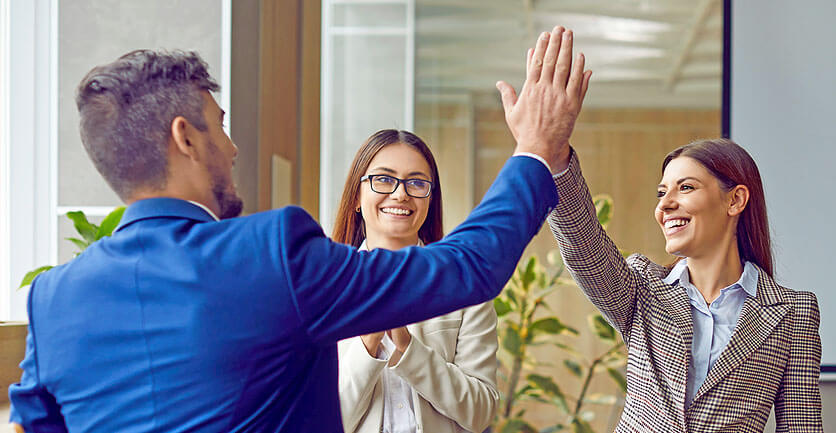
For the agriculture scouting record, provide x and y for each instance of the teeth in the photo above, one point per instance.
(675, 223)
(396, 211)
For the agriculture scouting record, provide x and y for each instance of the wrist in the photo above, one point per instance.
(560, 161)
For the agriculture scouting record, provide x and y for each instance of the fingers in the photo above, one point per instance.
(550, 57)
(536, 67)
(573, 88)
(508, 94)
(564, 60)
(528, 55)
(586, 76)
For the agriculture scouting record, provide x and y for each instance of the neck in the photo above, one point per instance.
(713, 273)
(187, 194)
(373, 241)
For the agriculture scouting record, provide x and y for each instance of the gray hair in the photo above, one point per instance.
(126, 108)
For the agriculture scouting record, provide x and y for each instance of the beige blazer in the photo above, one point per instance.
(771, 361)
(450, 364)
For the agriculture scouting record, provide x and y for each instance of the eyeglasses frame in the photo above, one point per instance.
(399, 181)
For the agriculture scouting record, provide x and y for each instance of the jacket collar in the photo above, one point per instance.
(164, 207)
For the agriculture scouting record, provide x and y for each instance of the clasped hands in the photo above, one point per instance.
(542, 116)
(400, 336)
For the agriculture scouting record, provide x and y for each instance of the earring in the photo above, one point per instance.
(357, 209)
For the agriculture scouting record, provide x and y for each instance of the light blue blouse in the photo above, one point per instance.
(713, 324)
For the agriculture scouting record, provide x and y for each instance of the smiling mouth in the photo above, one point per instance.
(675, 225)
(396, 211)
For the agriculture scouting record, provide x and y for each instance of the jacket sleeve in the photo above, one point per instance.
(32, 406)
(359, 374)
(339, 292)
(464, 390)
(798, 403)
(589, 254)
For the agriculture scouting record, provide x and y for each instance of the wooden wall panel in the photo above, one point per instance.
(289, 99)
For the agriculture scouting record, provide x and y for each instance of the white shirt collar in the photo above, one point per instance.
(748, 280)
(209, 211)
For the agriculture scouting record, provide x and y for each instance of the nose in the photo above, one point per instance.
(399, 193)
(667, 202)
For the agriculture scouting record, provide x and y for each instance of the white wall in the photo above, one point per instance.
(783, 91)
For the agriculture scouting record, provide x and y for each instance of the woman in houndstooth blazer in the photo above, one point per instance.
(435, 376)
(714, 342)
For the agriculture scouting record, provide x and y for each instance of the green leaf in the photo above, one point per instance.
(618, 378)
(516, 425)
(82, 226)
(529, 275)
(603, 208)
(548, 386)
(502, 308)
(601, 327)
(110, 222)
(82, 245)
(573, 368)
(553, 429)
(512, 341)
(597, 398)
(550, 325)
(30, 276)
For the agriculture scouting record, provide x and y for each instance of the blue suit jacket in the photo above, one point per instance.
(180, 323)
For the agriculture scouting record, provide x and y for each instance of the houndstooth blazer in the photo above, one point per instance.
(773, 358)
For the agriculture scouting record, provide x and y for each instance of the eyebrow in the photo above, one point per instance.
(390, 171)
(679, 182)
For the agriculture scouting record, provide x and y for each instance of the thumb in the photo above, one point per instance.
(508, 94)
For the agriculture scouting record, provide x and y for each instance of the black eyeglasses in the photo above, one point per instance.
(385, 184)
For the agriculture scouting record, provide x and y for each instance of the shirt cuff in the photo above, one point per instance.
(535, 156)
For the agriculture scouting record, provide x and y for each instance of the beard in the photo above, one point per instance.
(223, 189)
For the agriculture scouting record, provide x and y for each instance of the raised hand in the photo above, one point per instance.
(543, 116)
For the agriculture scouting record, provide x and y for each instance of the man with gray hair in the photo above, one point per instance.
(189, 319)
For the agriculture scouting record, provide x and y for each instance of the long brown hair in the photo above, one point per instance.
(349, 227)
(732, 166)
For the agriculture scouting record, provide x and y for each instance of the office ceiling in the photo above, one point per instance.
(643, 53)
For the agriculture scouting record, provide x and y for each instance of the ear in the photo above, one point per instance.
(738, 199)
(182, 134)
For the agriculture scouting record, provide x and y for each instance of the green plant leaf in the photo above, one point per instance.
(603, 208)
(618, 378)
(529, 275)
(548, 386)
(30, 276)
(516, 425)
(82, 225)
(80, 244)
(597, 398)
(549, 325)
(110, 222)
(573, 367)
(601, 327)
(502, 308)
(512, 341)
(553, 429)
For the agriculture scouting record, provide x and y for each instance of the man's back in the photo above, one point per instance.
(171, 324)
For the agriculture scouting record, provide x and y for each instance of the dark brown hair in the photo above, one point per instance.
(126, 108)
(349, 227)
(732, 166)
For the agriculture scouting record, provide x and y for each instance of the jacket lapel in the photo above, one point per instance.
(758, 318)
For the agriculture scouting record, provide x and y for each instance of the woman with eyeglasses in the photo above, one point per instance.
(435, 376)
